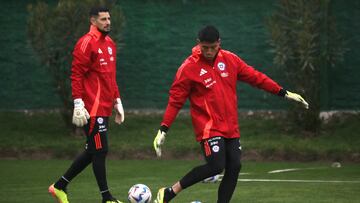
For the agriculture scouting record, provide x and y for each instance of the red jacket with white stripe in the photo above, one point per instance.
(211, 89)
(93, 72)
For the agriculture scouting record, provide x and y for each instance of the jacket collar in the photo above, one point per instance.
(95, 32)
(196, 53)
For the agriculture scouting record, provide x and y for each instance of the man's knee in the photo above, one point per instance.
(234, 166)
(99, 154)
(217, 168)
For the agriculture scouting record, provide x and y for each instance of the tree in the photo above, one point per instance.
(307, 45)
(53, 32)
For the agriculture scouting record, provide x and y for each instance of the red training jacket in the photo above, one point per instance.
(211, 89)
(93, 72)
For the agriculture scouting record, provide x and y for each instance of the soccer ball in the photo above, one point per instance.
(212, 179)
(336, 165)
(139, 193)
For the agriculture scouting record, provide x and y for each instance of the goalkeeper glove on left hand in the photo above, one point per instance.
(80, 115)
(160, 139)
(119, 111)
(295, 97)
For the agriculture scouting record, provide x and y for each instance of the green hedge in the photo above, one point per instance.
(158, 36)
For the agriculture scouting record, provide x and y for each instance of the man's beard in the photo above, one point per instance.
(104, 32)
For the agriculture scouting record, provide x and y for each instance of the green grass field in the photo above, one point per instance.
(44, 135)
(37, 150)
(27, 181)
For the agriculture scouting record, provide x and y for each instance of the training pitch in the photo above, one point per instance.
(27, 181)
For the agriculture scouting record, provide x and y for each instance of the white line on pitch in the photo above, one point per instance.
(295, 169)
(297, 181)
(284, 170)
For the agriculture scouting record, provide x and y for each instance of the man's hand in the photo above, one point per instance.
(80, 115)
(293, 96)
(119, 111)
(160, 139)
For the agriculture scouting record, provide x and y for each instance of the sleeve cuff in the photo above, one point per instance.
(282, 92)
(164, 128)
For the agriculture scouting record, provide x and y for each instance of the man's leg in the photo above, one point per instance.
(99, 169)
(214, 152)
(98, 146)
(58, 190)
(232, 169)
(79, 164)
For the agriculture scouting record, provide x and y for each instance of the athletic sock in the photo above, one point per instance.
(169, 194)
(61, 183)
(100, 174)
(106, 195)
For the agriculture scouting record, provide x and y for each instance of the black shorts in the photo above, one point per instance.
(96, 134)
(220, 149)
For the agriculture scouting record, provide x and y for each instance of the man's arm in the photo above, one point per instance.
(115, 84)
(80, 65)
(119, 109)
(178, 94)
(255, 78)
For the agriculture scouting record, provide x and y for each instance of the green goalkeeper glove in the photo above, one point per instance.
(295, 97)
(160, 139)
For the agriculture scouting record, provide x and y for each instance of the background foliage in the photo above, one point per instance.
(157, 37)
(307, 44)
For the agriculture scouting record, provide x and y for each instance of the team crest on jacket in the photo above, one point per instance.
(110, 50)
(221, 66)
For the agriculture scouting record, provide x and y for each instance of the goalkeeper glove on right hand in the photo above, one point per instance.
(293, 96)
(160, 139)
(80, 114)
